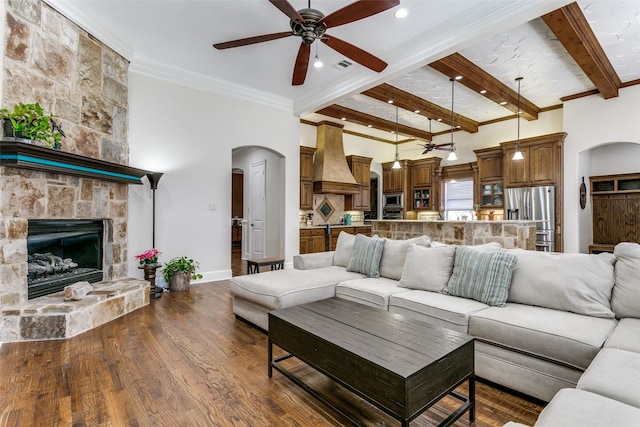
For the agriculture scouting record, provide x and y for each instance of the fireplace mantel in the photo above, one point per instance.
(29, 156)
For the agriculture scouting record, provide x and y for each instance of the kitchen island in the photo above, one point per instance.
(510, 234)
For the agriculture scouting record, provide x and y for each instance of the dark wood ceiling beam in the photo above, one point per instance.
(477, 79)
(572, 30)
(410, 102)
(357, 117)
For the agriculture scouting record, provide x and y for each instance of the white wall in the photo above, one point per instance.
(590, 122)
(189, 135)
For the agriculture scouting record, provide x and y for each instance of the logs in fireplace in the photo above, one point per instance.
(62, 252)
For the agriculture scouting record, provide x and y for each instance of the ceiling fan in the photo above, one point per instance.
(311, 24)
(430, 146)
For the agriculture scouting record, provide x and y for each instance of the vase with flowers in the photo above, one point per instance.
(149, 263)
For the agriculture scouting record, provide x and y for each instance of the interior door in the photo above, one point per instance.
(257, 210)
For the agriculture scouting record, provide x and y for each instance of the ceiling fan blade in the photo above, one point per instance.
(445, 147)
(252, 40)
(355, 11)
(286, 8)
(355, 53)
(302, 63)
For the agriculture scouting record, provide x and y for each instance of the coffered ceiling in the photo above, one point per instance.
(561, 49)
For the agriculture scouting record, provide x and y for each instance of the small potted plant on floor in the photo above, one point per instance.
(29, 122)
(179, 271)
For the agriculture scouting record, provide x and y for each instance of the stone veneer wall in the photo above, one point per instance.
(510, 234)
(50, 60)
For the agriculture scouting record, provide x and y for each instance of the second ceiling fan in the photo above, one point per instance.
(311, 25)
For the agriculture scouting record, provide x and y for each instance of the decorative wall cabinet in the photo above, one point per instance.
(396, 180)
(615, 201)
(306, 177)
(360, 168)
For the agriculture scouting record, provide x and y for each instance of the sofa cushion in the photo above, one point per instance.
(428, 269)
(615, 374)
(435, 308)
(367, 252)
(482, 276)
(286, 288)
(565, 337)
(344, 248)
(573, 407)
(370, 291)
(579, 283)
(395, 254)
(626, 335)
(625, 300)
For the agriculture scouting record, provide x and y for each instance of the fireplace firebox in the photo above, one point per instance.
(61, 252)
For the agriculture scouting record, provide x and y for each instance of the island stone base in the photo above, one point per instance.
(51, 317)
(510, 234)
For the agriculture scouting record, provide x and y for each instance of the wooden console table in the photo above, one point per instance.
(253, 265)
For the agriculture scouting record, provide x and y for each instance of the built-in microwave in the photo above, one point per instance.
(393, 200)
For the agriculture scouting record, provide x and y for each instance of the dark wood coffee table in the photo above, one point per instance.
(400, 365)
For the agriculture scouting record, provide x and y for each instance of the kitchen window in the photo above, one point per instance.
(458, 200)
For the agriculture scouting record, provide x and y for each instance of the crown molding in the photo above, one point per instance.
(209, 84)
(93, 26)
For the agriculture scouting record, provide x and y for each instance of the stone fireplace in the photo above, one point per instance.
(50, 60)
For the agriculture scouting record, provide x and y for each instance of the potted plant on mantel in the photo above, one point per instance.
(179, 271)
(29, 123)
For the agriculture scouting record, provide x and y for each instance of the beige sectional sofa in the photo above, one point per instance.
(563, 321)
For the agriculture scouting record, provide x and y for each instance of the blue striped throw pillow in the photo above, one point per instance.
(482, 276)
(366, 255)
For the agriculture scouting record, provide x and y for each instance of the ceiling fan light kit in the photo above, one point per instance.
(311, 25)
(518, 153)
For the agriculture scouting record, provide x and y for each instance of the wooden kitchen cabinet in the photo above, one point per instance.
(425, 183)
(335, 232)
(361, 169)
(542, 163)
(306, 177)
(396, 180)
(312, 240)
(489, 187)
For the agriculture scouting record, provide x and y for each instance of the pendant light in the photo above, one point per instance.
(396, 162)
(452, 148)
(518, 154)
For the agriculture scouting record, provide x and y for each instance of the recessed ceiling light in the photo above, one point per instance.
(393, 131)
(416, 111)
(504, 103)
(369, 126)
(402, 13)
(344, 118)
(458, 127)
(390, 101)
(439, 120)
(458, 77)
(483, 91)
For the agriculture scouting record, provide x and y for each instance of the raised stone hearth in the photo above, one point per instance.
(51, 317)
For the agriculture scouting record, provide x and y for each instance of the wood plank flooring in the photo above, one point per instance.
(184, 360)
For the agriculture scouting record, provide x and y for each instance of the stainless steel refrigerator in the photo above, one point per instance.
(537, 204)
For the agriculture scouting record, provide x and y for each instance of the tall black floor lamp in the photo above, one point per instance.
(153, 178)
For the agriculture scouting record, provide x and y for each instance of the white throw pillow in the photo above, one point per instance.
(395, 254)
(426, 268)
(344, 248)
(625, 300)
(579, 283)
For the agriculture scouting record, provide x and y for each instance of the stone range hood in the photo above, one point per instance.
(331, 173)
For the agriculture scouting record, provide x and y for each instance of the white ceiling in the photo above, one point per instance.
(173, 38)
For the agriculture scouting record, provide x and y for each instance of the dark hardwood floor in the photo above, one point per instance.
(184, 360)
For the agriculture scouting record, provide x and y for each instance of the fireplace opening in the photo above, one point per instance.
(61, 252)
